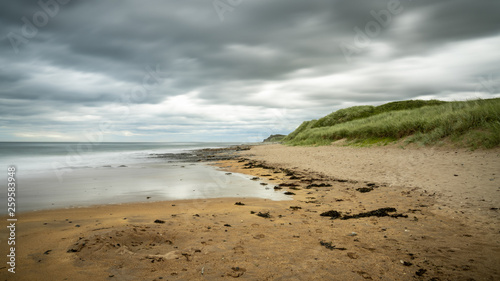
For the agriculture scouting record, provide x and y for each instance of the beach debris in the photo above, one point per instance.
(276, 187)
(263, 183)
(318, 185)
(236, 272)
(159, 221)
(77, 247)
(255, 178)
(266, 175)
(289, 193)
(229, 174)
(47, 252)
(288, 184)
(295, 208)
(421, 272)
(264, 215)
(332, 213)
(196, 215)
(148, 197)
(77, 225)
(329, 246)
(405, 263)
(352, 234)
(227, 225)
(364, 189)
(239, 204)
(382, 212)
(122, 166)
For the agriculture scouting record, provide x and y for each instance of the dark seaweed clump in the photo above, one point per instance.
(333, 214)
(382, 212)
(329, 246)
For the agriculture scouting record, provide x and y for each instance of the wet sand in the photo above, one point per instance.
(423, 237)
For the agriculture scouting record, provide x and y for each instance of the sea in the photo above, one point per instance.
(50, 175)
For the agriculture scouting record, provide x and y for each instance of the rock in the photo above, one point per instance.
(239, 204)
(159, 221)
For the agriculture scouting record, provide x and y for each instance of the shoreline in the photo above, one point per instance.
(208, 239)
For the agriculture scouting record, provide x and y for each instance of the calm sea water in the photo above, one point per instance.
(61, 175)
(37, 157)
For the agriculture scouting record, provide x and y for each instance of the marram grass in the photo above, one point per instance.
(471, 124)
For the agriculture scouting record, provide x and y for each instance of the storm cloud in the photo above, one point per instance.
(220, 70)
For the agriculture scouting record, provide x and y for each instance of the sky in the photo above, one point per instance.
(231, 70)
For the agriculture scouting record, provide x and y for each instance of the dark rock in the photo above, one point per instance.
(239, 204)
(295, 208)
(289, 193)
(364, 189)
(159, 221)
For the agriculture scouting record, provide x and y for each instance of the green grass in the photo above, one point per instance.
(471, 124)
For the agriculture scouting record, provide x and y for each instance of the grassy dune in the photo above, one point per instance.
(471, 124)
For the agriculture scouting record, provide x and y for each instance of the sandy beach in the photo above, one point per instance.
(380, 213)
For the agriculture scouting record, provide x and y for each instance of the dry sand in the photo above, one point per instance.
(215, 239)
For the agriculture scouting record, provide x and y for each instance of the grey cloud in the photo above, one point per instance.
(259, 57)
